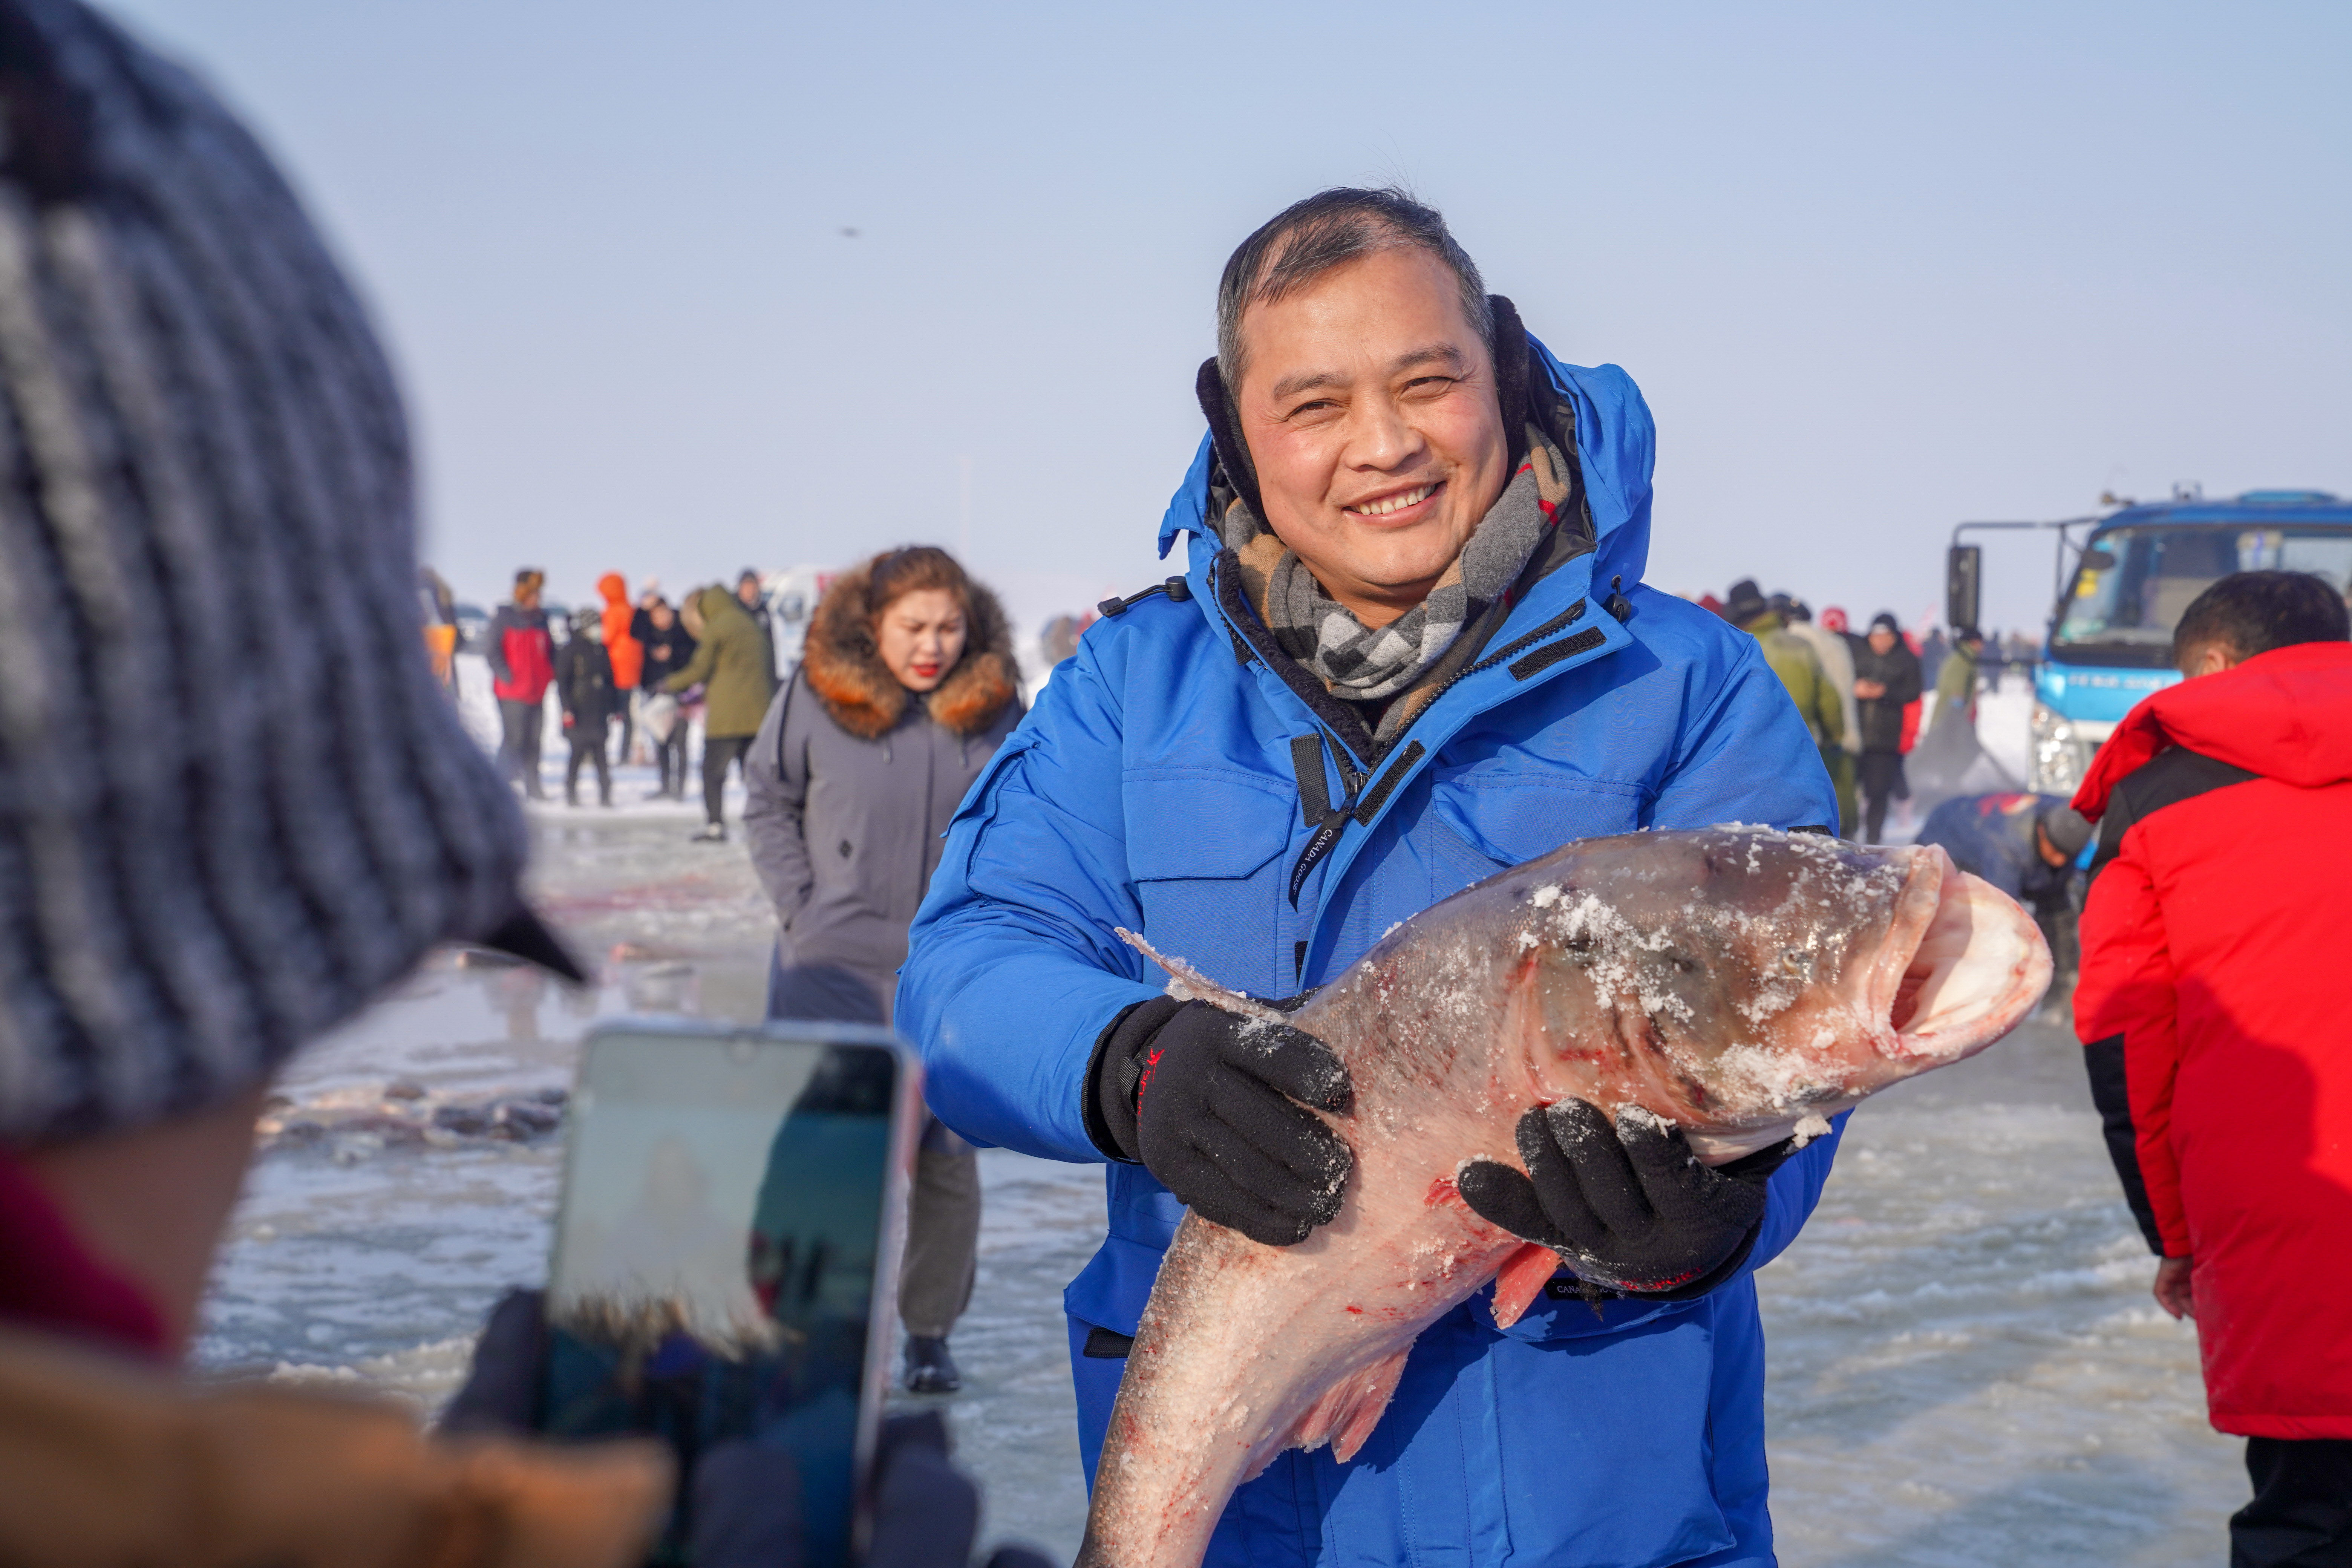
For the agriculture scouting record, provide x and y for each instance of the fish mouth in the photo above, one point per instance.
(1963, 964)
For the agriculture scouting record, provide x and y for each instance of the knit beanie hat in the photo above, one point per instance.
(233, 802)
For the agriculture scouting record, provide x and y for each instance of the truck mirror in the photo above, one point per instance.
(2098, 560)
(1963, 575)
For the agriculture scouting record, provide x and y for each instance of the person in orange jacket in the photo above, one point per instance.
(627, 654)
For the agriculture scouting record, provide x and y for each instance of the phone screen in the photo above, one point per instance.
(729, 1218)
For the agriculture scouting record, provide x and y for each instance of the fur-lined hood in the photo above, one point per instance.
(846, 669)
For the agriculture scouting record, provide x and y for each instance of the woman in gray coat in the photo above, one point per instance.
(907, 685)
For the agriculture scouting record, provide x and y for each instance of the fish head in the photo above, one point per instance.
(1740, 981)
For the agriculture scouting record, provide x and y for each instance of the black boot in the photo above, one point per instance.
(929, 1368)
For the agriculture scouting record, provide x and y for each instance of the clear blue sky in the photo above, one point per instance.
(1877, 268)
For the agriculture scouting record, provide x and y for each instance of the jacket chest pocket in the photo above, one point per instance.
(1205, 853)
(1511, 817)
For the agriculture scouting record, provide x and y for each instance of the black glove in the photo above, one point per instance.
(501, 1391)
(1213, 1105)
(1628, 1208)
(746, 1495)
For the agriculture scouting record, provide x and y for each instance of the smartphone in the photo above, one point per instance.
(725, 1250)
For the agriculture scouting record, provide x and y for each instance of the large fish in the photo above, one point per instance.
(1741, 983)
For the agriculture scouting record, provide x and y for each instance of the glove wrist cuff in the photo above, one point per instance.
(1112, 1074)
(1712, 1280)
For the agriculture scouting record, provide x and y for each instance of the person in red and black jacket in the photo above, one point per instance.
(522, 667)
(2216, 936)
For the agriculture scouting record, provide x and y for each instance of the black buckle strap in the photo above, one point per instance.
(1553, 653)
(1315, 808)
(1176, 588)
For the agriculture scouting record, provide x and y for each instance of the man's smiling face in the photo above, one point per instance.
(1369, 404)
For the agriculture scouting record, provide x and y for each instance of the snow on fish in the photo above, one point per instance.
(1743, 984)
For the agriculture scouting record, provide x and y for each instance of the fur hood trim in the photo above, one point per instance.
(846, 669)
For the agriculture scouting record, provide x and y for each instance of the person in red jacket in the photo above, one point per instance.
(2215, 941)
(522, 667)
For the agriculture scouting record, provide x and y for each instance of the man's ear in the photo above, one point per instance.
(2208, 658)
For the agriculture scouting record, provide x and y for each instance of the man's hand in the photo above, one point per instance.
(1870, 689)
(746, 1495)
(2172, 1288)
(1215, 1105)
(1627, 1206)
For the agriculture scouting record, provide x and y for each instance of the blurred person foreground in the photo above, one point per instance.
(199, 893)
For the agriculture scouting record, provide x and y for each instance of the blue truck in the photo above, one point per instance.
(2132, 572)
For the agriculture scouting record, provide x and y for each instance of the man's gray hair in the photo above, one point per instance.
(1330, 229)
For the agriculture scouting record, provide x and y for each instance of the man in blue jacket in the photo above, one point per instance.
(1406, 655)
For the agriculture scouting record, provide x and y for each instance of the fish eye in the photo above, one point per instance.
(1796, 960)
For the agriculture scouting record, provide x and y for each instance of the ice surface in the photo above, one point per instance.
(1966, 1366)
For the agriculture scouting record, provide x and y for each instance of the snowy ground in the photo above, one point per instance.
(1967, 1368)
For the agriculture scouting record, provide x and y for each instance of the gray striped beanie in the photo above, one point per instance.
(233, 804)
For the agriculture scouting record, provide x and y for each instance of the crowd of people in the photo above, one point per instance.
(1411, 645)
(630, 680)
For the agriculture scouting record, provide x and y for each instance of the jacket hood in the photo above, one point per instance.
(714, 605)
(614, 588)
(2285, 714)
(846, 669)
(1615, 449)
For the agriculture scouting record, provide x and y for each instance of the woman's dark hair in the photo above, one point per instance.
(896, 573)
(2254, 612)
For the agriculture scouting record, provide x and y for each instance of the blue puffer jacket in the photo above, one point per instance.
(1153, 787)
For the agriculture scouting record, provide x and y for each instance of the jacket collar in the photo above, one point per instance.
(1558, 626)
(49, 1281)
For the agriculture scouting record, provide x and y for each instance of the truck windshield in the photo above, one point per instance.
(2134, 583)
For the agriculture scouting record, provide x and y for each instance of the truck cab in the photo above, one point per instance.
(2111, 634)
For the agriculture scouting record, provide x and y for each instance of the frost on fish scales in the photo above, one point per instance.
(1743, 984)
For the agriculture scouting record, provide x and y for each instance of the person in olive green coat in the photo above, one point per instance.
(1956, 683)
(732, 664)
(1837, 668)
(1816, 696)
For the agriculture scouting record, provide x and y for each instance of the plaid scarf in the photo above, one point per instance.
(1368, 664)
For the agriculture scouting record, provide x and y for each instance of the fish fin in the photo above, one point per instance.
(1345, 1415)
(1375, 1386)
(1192, 984)
(1520, 1280)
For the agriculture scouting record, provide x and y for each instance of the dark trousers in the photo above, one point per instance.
(587, 746)
(1882, 782)
(669, 761)
(718, 751)
(943, 1256)
(2302, 1513)
(519, 743)
(628, 718)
